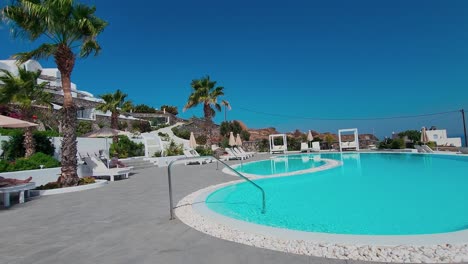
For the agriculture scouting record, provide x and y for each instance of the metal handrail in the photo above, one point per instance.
(218, 160)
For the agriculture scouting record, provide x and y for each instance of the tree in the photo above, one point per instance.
(24, 91)
(142, 108)
(170, 109)
(204, 92)
(72, 29)
(127, 106)
(413, 135)
(113, 103)
(227, 106)
(329, 139)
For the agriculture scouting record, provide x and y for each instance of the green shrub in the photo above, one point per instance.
(245, 135)
(10, 131)
(126, 148)
(224, 142)
(204, 151)
(14, 148)
(174, 149)
(157, 154)
(431, 144)
(163, 136)
(263, 145)
(182, 133)
(32, 163)
(86, 180)
(83, 127)
(123, 125)
(398, 143)
(201, 139)
(293, 143)
(156, 126)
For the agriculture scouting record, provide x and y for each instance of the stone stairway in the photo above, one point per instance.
(139, 163)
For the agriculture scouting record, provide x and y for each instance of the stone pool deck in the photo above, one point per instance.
(126, 221)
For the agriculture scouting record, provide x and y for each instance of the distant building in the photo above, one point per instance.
(85, 101)
(439, 136)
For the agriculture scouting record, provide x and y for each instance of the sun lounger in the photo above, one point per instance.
(419, 149)
(190, 154)
(22, 189)
(315, 146)
(239, 153)
(304, 147)
(277, 149)
(427, 149)
(246, 152)
(233, 155)
(99, 169)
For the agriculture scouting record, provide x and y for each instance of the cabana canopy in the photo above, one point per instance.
(278, 148)
(349, 144)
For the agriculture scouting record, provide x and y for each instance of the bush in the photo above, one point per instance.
(204, 151)
(123, 125)
(157, 154)
(48, 186)
(163, 136)
(141, 126)
(431, 144)
(83, 127)
(293, 143)
(32, 163)
(201, 139)
(245, 135)
(398, 143)
(182, 133)
(263, 145)
(126, 148)
(14, 148)
(157, 126)
(174, 149)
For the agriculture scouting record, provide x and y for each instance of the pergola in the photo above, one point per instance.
(351, 144)
(278, 148)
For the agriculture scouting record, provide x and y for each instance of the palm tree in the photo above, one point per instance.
(205, 92)
(227, 106)
(71, 29)
(24, 91)
(113, 103)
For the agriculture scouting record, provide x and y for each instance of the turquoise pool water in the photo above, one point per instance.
(372, 194)
(280, 164)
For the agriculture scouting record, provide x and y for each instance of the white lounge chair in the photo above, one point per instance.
(22, 189)
(304, 147)
(239, 153)
(315, 146)
(249, 153)
(190, 154)
(427, 149)
(420, 149)
(99, 169)
(235, 155)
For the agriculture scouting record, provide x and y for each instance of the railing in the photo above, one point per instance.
(171, 205)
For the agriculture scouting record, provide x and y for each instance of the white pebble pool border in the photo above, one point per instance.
(437, 248)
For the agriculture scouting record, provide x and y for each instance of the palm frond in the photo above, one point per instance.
(43, 51)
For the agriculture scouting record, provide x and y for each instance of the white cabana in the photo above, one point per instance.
(349, 144)
(278, 148)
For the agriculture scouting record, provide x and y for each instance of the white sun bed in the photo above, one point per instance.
(99, 169)
(191, 154)
(22, 189)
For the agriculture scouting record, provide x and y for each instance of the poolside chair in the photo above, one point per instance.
(278, 149)
(315, 146)
(22, 189)
(100, 169)
(189, 154)
(304, 147)
(196, 154)
(419, 148)
(233, 155)
(239, 153)
(427, 149)
(250, 153)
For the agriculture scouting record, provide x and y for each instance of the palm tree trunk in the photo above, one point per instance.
(28, 142)
(65, 60)
(225, 113)
(115, 125)
(207, 112)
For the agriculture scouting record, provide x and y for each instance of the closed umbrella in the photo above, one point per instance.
(232, 140)
(310, 137)
(192, 142)
(238, 140)
(424, 137)
(10, 122)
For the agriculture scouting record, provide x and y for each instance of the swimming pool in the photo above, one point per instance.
(370, 194)
(281, 165)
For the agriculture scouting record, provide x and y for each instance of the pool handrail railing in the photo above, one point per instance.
(217, 160)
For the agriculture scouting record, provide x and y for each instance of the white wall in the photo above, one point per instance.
(441, 139)
(41, 177)
(85, 145)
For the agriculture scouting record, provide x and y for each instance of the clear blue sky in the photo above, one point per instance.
(328, 59)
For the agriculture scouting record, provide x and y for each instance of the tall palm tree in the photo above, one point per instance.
(113, 103)
(24, 91)
(204, 92)
(227, 106)
(71, 30)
